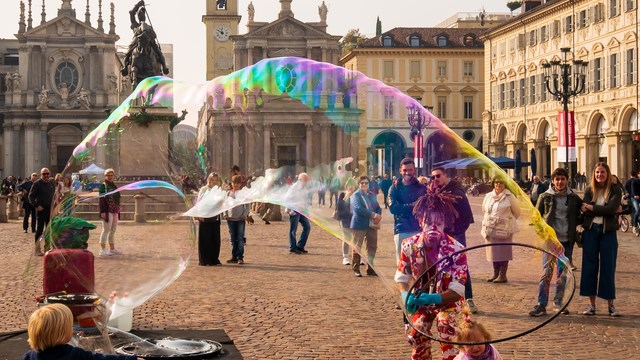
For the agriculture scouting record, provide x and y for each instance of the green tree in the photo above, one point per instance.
(378, 26)
(185, 159)
(351, 40)
(513, 5)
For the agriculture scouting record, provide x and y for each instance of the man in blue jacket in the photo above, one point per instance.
(402, 195)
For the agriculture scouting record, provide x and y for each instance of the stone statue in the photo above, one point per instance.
(113, 82)
(322, 10)
(252, 11)
(43, 98)
(83, 98)
(64, 93)
(144, 57)
(8, 82)
(16, 81)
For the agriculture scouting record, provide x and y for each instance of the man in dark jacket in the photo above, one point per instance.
(537, 188)
(29, 211)
(402, 195)
(635, 200)
(560, 208)
(41, 197)
(458, 228)
(385, 185)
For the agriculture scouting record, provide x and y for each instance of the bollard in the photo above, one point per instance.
(13, 207)
(3, 209)
(140, 215)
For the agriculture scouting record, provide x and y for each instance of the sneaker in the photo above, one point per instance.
(115, 252)
(295, 251)
(361, 262)
(558, 308)
(346, 261)
(613, 311)
(266, 222)
(240, 261)
(303, 251)
(371, 272)
(105, 252)
(472, 306)
(357, 274)
(538, 310)
(25, 231)
(232, 261)
(591, 310)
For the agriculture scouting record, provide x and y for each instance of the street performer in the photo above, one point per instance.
(439, 299)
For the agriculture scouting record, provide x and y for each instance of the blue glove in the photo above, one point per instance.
(426, 299)
(408, 303)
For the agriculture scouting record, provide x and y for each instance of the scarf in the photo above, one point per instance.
(498, 197)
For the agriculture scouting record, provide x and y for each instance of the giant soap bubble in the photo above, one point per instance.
(276, 119)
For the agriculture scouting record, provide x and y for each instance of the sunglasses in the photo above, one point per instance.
(364, 183)
(44, 174)
(436, 176)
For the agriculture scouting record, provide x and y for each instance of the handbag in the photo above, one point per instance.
(579, 235)
(372, 224)
(498, 229)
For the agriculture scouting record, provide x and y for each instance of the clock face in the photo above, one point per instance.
(222, 33)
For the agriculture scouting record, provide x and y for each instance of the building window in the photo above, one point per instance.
(502, 94)
(544, 34)
(414, 41)
(67, 73)
(387, 42)
(631, 66)
(598, 12)
(468, 107)
(556, 28)
(442, 69)
(583, 19)
(388, 107)
(523, 92)
(613, 8)
(468, 135)
(512, 94)
(630, 5)
(568, 24)
(415, 69)
(613, 71)
(543, 91)
(597, 74)
(442, 41)
(442, 107)
(469, 40)
(221, 4)
(468, 68)
(388, 69)
(532, 38)
(532, 90)
(521, 41)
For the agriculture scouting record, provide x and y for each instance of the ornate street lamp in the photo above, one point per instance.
(418, 120)
(565, 79)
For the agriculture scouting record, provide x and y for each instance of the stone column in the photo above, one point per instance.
(324, 143)
(249, 146)
(324, 54)
(309, 150)
(354, 143)
(339, 142)
(235, 145)
(42, 156)
(250, 55)
(266, 131)
(30, 146)
(8, 146)
(13, 207)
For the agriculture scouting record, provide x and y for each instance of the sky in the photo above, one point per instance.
(180, 22)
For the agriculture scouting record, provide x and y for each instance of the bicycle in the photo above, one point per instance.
(623, 221)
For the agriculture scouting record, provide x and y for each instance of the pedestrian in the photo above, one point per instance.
(300, 188)
(344, 215)
(334, 189)
(209, 228)
(435, 212)
(109, 204)
(385, 185)
(537, 188)
(458, 229)
(236, 220)
(402, 196)
(501, 209)
(634, 194)
(50, 331)
(471, 331)
(322, 191)
(41, 197)
(365, 222)
(29, 210)
(599, 239)
(560, 208)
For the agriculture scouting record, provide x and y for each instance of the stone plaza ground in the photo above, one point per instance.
(282, 306)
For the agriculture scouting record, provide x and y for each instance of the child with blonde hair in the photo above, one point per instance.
(471, 331)
(51, 329)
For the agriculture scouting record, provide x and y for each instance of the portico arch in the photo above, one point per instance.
(62, 141)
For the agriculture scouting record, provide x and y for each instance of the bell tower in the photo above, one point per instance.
(221, 22)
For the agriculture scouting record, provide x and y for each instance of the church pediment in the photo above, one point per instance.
(287, 27)
(63, 25)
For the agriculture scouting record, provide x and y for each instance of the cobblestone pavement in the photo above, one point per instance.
(282, 306)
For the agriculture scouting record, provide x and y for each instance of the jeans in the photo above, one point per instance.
(293, 228)
(43, 220)
(331, 196)
(548, 265)
(599, 254)
(29, 212)
(636, 212)
(468, 290)
(397, 239)
(236, 231)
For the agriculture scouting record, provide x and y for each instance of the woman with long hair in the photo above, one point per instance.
(599, 239)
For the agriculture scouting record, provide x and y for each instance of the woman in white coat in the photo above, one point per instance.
(501, 209)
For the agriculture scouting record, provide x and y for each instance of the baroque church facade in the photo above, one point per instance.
(258, 131)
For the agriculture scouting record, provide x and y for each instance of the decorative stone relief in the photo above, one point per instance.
(612, 114)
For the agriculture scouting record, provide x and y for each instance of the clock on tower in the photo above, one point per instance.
(222, 21)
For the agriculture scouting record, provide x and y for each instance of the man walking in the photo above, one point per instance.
(537, 188)
(457, 229)
(560, 208)
(296, 218)
(402, 196)
(40, 197)
(29, 210)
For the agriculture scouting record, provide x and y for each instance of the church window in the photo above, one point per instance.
(67, 73)
(286, 78)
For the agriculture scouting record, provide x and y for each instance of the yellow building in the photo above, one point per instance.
(221, 21)
(520, 111)
(442, 68)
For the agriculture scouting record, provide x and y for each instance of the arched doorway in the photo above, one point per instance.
(387, 150)
(62, 141)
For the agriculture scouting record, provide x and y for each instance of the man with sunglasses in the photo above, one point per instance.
(41, 196)
(457, 229)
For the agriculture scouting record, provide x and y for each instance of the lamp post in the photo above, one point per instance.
(418, 122)
(565, 79)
